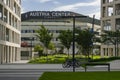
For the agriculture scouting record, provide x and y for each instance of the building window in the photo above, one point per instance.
(7, 34)
(10, 18)
(5, 15)
(5, 1)
(107, 25)
(118, 24)
(1, 32)
(56, 39)
(110, 11)
(104, 1)
(104, 12)
(117, 9)
(110, 0)
(15, 23)
(1, 11)
(14, 7)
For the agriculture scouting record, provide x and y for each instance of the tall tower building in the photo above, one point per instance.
(110, 21)
(10, 22)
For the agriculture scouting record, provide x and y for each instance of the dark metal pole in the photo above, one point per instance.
(117, 42)
(93, 22)
(73, 43)
(31, 48)
(93, 32)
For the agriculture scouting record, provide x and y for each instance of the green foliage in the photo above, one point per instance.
(81, 75)
(39, 49)
(61, 51)
(105, 59)
(62, 58)
(85, 40)
(65, 38)
(44, 36)
(51, 46)
(50, 59)
(111, 37)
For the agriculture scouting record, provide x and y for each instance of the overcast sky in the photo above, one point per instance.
(86, 7)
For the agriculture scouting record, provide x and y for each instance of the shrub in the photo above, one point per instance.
(105, 59)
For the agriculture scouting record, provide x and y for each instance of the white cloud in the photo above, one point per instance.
(22, 10)
(97, 15)
(24, 0)
(44, 1)
(77, 5)
(56, 2)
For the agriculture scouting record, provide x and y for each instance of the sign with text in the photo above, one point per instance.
(47, 14)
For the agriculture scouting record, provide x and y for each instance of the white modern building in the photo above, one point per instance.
(54, 21)
(110, 21)
(10, 30)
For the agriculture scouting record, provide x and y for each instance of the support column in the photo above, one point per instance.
(11, 54)
(0, 53)
(113, 51)
(109, 52)
(18, 54)
(102, 52)
(7, 54)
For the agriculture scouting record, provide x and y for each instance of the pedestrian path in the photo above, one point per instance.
(21, 61)
(23, 64)
(115, 64)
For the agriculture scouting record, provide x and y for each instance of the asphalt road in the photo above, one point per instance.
(20, 74)
(30, 74)
(33, 72)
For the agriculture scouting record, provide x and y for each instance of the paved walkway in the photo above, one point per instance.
(114, 65)
(22, 61)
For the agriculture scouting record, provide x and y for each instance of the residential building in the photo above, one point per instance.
(110, 21)
(54, 21)
(10, 30)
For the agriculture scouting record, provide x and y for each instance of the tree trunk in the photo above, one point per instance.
(46, 54)
(115, 50)
(68, 53)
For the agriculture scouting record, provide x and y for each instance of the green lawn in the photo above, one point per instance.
(81, 76)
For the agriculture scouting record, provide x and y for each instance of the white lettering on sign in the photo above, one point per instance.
(51, 14)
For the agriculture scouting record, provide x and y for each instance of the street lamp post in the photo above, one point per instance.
(31, 47)
(73, 47)
(117, 40)
(73, 44)
(93, 36)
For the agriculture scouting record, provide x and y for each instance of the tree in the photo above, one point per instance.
(65, 38)
(39, 49)
(84, 39)
(44, 37)
(51, 46)
(111, 37)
